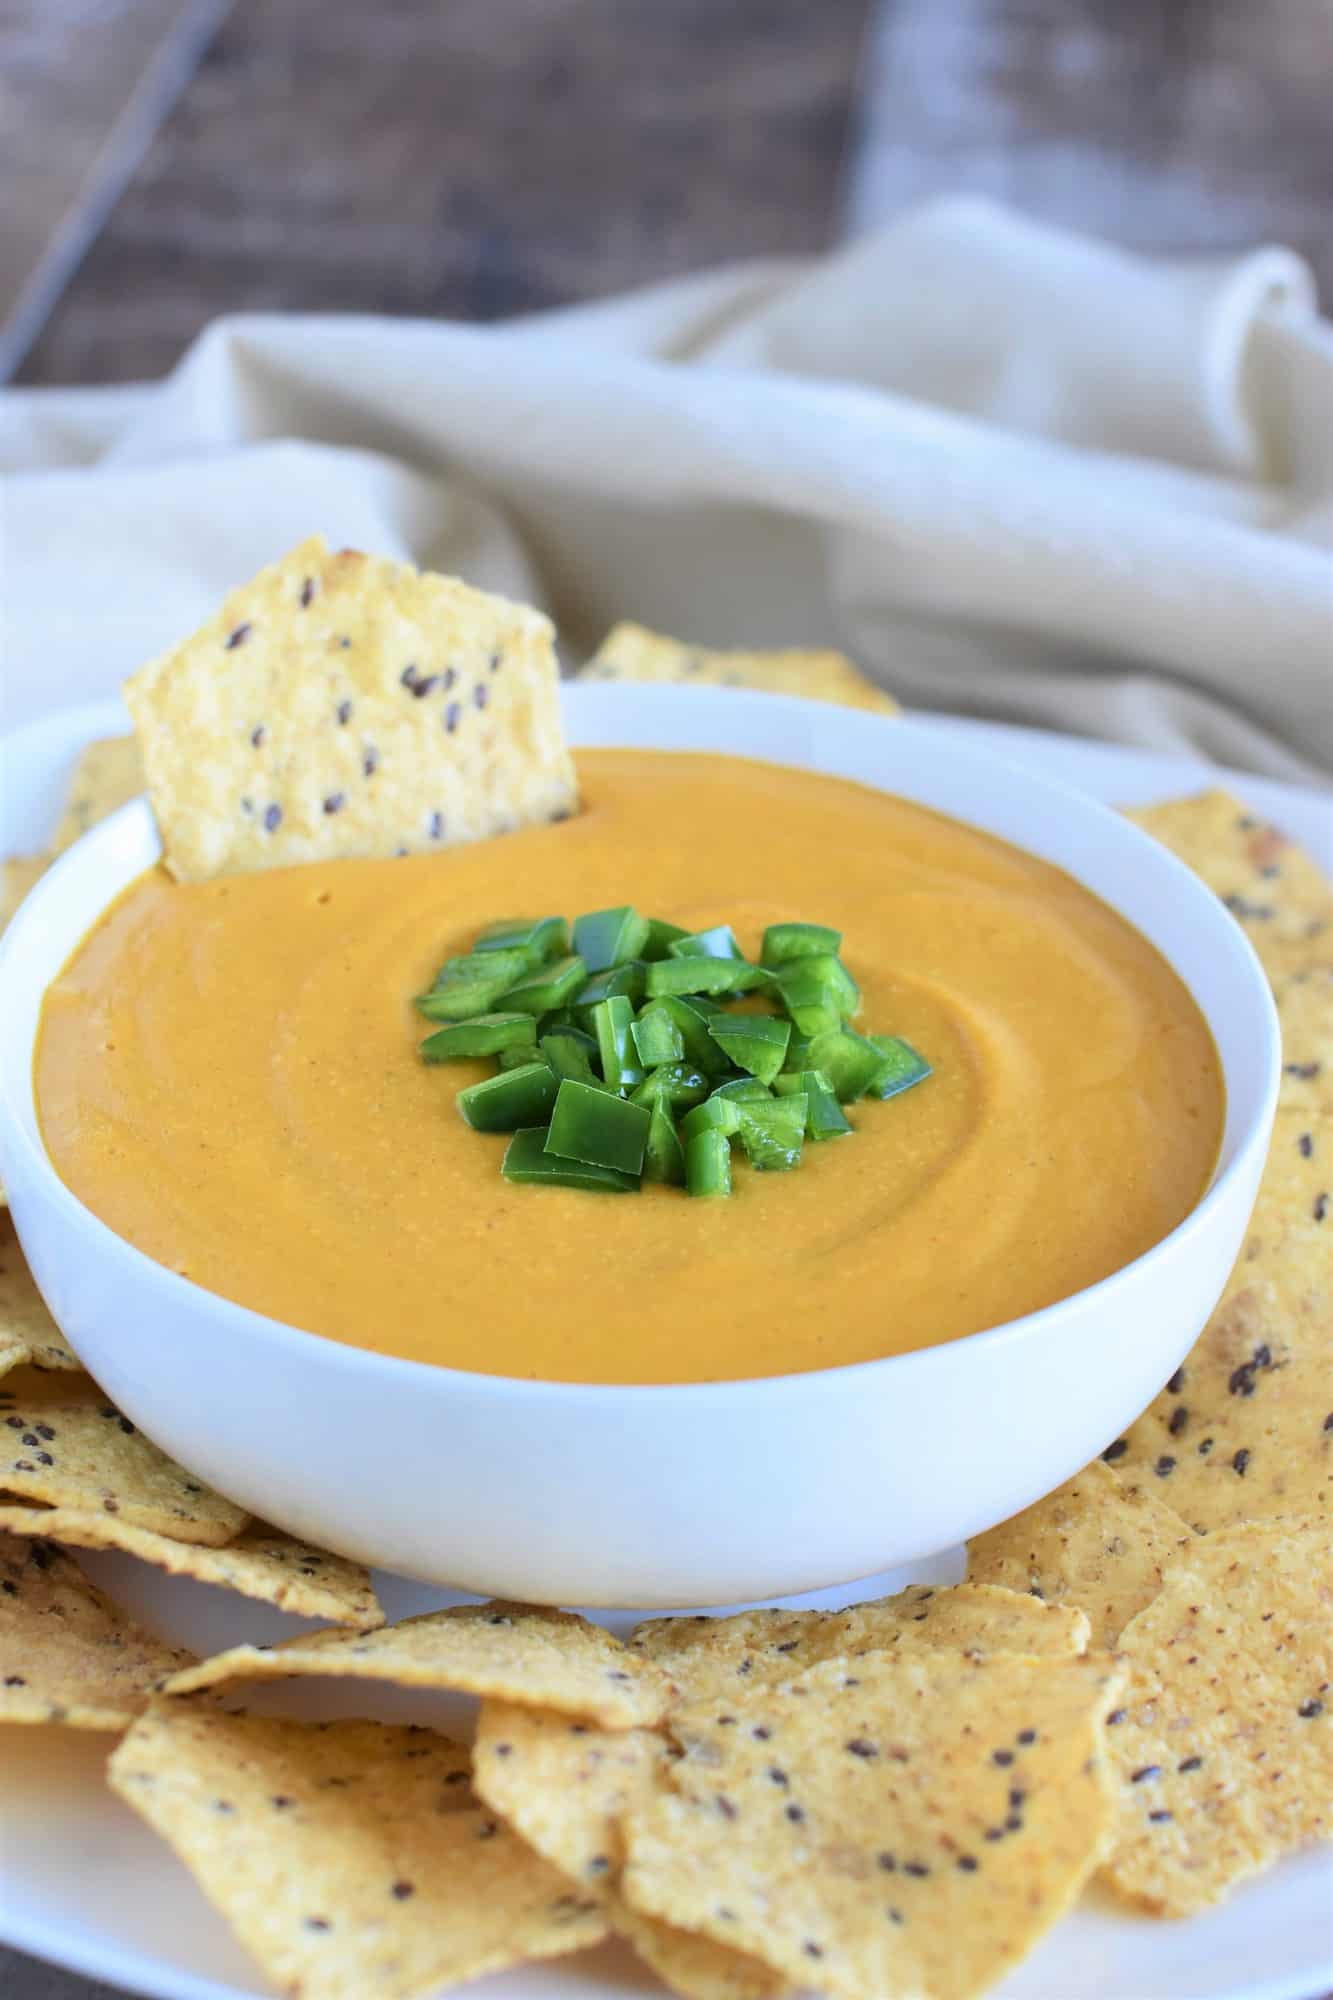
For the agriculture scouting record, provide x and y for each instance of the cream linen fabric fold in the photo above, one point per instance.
(1014, 473)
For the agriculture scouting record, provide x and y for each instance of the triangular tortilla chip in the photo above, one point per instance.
(28, 1334)
(632, 653)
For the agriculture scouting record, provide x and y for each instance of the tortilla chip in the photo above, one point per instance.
(1244, 1429)
(904, 1824)
(565, 1788)
(710, 1658)
(632, 653)
(1305, 1010)
(514, 1652)
(346, 705)
(107, 776)
(16, 878)
(1223, 1742)
(63, 1443)
(28, 1334)
(1096, 1542)
(1273, 888)
(67, 1653)
(262, 1562)
(350, 1858)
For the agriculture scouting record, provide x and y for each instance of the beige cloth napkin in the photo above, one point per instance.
(1013, 472)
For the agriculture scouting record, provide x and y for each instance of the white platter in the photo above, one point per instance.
(85, 1885)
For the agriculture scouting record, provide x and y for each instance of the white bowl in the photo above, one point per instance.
(661, 1496)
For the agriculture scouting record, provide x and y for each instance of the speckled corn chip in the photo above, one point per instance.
(262, 1562)
(16, 878)
(1271, 886)
(1096, 1542)
(1222, 1743)
(62, 1443)
(565, 1787)
(513, 1652)
(351, 1858)
(28, 1334)
(67, 1653)
(710, 1657)
(108, 774)
(1244, 1429)
(632, 653)
(905, 1824)
(341, 704)
(1305, 1009)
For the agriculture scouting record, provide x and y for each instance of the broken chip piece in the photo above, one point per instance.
(632, 653)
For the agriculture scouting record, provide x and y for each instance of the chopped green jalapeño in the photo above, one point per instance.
(621, 1057)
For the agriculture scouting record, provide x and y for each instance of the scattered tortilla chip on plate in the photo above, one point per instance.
(344, 705)
(1305, 1009)
(107, 776)
(1242, 1432)
(708, 1658)
(28, 1334)
(262, 1562)
(514, 1652)
(904, 1824)
(1223, 1740)
(632, 653)
(1096, 1542)
(67, 1653)
(1272, 887)
(64, 1444)
(565, 1787)
(351, 1858)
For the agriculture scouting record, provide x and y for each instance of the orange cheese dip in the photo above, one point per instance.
(227, 1074)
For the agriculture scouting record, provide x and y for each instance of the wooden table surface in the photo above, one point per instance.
(167, 160)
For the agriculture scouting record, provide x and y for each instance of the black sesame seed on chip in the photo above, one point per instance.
(272, 818)
(1115, 1451)
(1240, 1461)
(237, 637)
(1165, 1466)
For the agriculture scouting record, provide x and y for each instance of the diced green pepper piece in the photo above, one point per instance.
(516, 1097)
(754, 1042)
(720, 942)
(528, 1163)
(483, 1035)
(626, 979)
(570, 1053)
(744, 1090)
(830, 971)
(589, 1124)
(848, 1060)
(818, 993)
(902, 1066)
(704, 975)
(824, 1116)
(674, 1084)
(549, 987)
(657, 1037)
(692, 1021)
(473, 983)
(661, 936)
(521, 1053)
(609, 937)
(715, 1114)
(611, 1023)
(708, 1163)
(547, 937)
(784, 942)
(663, 1156)
(772, 1134)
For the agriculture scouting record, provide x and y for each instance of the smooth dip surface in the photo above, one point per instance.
(227, 1074)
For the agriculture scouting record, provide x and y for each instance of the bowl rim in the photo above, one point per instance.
(320, 1349)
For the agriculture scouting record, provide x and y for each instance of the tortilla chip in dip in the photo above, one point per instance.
(1096, 1542)
(632, 653)
(62, 1443)
(516, 1652)
(1222, 1742)
(901, 1824)
(262, 1562)
(1242, 1430)
(346, 705)
(67, 1653)
(350, 1858)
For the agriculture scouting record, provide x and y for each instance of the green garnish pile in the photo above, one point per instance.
(619, 1062)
